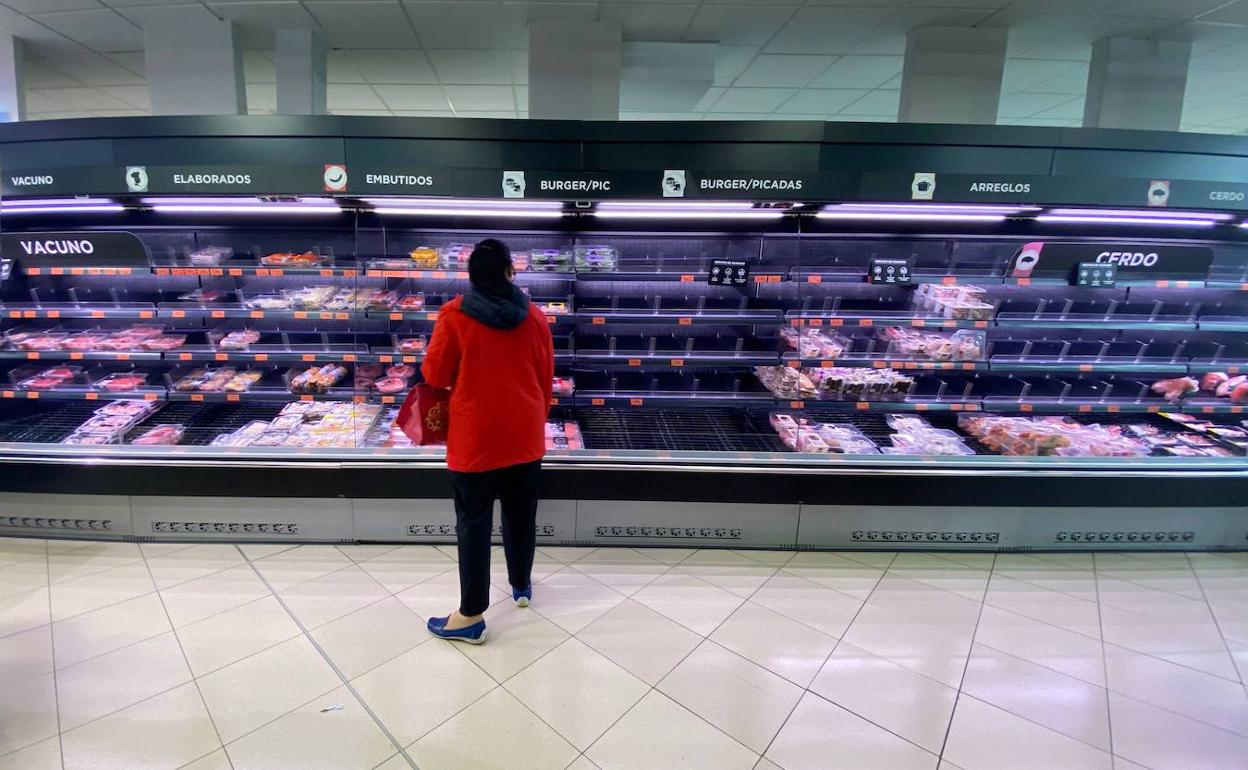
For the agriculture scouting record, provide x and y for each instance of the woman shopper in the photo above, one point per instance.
(493, 349)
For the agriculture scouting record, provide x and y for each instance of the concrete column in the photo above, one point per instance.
(574, 70)
(300, 72)
(952, 75)
(194, 68)
(12, 93)
(1135, 83)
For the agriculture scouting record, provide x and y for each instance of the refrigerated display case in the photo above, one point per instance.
(779, 369)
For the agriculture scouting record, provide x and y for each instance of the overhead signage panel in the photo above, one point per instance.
(86, 248)
(1130, 260)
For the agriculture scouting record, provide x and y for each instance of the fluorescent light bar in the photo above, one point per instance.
(898, 216)
(242, 209)
(466, 203)
(1132, 220)
(691, 214)
(1143, 214)
(674, 205)
(54, 202)
(466, 212)
(96, 208)
(953, 208)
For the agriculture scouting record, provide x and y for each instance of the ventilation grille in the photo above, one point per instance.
(929, 536)
(448, 530)
(87, 525)
(1124, 537)
(227, 527)
(700, 533)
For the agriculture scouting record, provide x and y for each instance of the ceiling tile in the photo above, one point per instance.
(731, 61)
(261, 96)
(340, 69)
(476, 98)
(466, 24)
(1206, 86)
(43, 100)
(1025, 104)
(1073, 82)
(826, 30)
(651, 22)
(844, 117)
(1054, 122)
(89, 99)
(1208, 37)
(102, 30)
(93, 69)
(523, 11)
(671, 116)
(258, 20)
(397, 65)
(889, 36)
(520, 66)
(487, 114)
(473, 67)
(775, 70)
(1233, 57)
(399, 97)
(360, 111)
(258, 67)
(38, 76)
(1071, 110)
(1215, 112)
(342, 96)
(363, 23)
(167, 14)
(709, 98)
(1235, 13)
(859, 72)
(738, 24)
(135, 96)
(877, 102)
(752, 99)
(824, 101)
(1176, 10)
(522, 97)
(1023, 74)
(1076, 43)
(738, 116)
(44, 6)
(1028, 29)
(424, 114)
(131, 60)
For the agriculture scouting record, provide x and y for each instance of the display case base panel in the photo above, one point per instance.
(629, 523)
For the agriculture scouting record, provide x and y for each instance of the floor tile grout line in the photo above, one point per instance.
(840, 638)
(56, 687)
(966, 664)
(1100, 621)
(1217, 624)
(185, 660)
(334, 667)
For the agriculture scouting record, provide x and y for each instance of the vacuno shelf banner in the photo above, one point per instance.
(74, 249)
(342, 179)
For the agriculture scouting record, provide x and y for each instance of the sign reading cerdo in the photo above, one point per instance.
(73, 249)
(1129, 260)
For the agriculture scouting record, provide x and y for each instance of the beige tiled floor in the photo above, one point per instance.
(212, 656)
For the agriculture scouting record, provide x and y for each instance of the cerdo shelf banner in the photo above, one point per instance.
(1132, 260)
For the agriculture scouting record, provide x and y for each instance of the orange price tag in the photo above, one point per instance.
(197, 396)
(773, 278)
(949, 280)
(431, 316)
(262, 271)
(216, 271)
(815, 322)
(684, 321)
(178, 314)
(760, 279)
(386, 359)
(30, 314)
(327, 273)
(126, 270)
(919, 322)
(879, 364)
(1085, 407)
(221, 357)
(866, 322)
(927, 365)
(234, 271)
(396, 316)
(91, 395)
(97, 313)
(149, 396)
(968, 367)
(1026, 407)
(550, 319)
(794, 364)
(862, 405)
(678, 362)
(439, 273)
(1237, 410)
(1232, 370)
(350, 273)
(32, 394)
(981, 324)
(305, 398)
(77, 271)
(598, 320)
(634, 362)
(301, 314)
(1161, 284)
(33, 271)
(921, 407)
(387, 399)
(1113, 408)
(358, 399)
(256, 314)
(184, 356)
(797, 404)
(342, 316)
(814, 279)
(326, 316)
(75, 356)
(123, 356)
(1153, 408)
(635, 402)
(348, 357)
(686, 278)
(309, 357)
(797, 323)
(1207, 409)
(53, 314)
(218, 314)
(58, 271)
(33, 356)
(162, 271)
(826, 364)
(597, 401)
(7, 394)
(409, 359)
(231, 397)
(1024, 281)
(262, 356)
(15, 314)
(1085, 367)
(836, 322)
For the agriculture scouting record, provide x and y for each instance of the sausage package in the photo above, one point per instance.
(425, 415)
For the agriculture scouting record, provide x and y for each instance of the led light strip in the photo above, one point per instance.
(750, 213)
(1159, 213)
(895, 216)
(102, 208)
(953, 208)
(675, 205)
(1131, 220)
(242, 205)
(467, 212)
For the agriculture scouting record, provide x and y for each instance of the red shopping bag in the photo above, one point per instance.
(425, 415)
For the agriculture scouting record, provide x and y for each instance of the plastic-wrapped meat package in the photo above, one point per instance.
(160, 435)
(164, 343)
(239, 339)
(122, 381)
(563, 386)
(411, 345)
(410, 303)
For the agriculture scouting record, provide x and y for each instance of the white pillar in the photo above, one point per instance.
(12, 93)
(194, 68)
(574, 70)
(300, 72)
(952, 75)
(1135, 83)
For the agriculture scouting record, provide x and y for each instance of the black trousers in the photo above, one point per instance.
(516, 486)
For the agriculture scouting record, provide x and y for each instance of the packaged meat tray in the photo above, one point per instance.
(288, 259)
(563, 436)
(131, 409)
(238, 339)
(317, 379)
(910, 343)
(553, 308)
(391, 385)
(563, 386)
(410, 345)
(122, 381)
(424, 256)
(550, 260)
(595, 259)
(53, 377)
(410, 303)
(210, 255)
(164, 343)
(204, 296)
(90, 439)
(455, 256)
(160, 435)
(267, 302)
(813, 343)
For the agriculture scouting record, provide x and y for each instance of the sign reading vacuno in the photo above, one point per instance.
(99, 249)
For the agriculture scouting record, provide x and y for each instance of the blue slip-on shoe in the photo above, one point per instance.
(474, 634)
(523, 597)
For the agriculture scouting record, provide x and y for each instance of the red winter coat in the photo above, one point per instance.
(500, 383)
